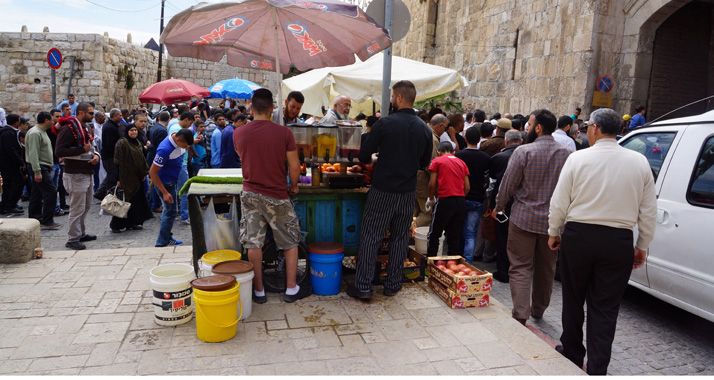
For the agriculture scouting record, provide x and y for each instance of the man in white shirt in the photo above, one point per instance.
(602, 193)
(561, 134)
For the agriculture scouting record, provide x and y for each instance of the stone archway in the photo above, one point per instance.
(667, 72)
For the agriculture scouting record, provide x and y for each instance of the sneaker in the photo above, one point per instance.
(50, 226)
(75, 245)
(174, 242)
(186, 222)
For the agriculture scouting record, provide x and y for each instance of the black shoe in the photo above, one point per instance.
(302, 293)
(260, 299)
(356, 293)
(500, 277)
(88, 237)
(17, 210)
(60, 212)
(116, 231)
(560, 350)
(64, 207)
(136, 227)
(75, 245)
(390, 293)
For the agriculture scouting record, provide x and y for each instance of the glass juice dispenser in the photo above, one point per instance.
(303, 139)
(324, 146)
(350, 140)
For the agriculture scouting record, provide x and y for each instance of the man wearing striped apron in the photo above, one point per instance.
(403, 144)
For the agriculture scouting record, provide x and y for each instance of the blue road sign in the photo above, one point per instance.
(54, 58)
(604, 84)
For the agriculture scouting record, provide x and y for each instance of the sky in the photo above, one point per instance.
(141, 18)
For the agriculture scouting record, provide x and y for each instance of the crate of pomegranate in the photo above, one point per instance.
(458, 300)
(460, 277)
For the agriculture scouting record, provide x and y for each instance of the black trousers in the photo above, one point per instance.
(111, 179)
(448, 215)
(384, 210)
(43, 197)
(13, 182)
(595, 265)
(502, 262)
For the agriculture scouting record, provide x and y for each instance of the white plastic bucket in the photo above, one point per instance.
(421, 232)
(245, 280)
(420, 244)
(171, 285)
(421, 241)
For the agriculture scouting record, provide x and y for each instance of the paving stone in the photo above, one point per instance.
(124, 369)
(143, 321)
(102, 332)
(373, 337)
(448, 368)
(14, 366)
(433, 317)
(422, 369)
(303, 333)
(266, 312)
(355, 345)
(401, 329)
(356, 328)
(446, 353)
(468, 333)
(327, 337)
(304, 368)
(555, 367)
(277, 325)
(49, 364)
(396, 353)
(361, 366)
(147, 340)
(417, 300)
(318, 313)
(470, 365)
(397, 311)
(38, 346)
(495, 354)
(271, 352)
(103, 354)
(44, 330)
(255, 331)
(322, 353)
(424, 343)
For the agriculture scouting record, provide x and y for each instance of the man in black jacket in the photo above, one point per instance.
(110, 137)
(11, 165)
(403, 142)
(497, 168)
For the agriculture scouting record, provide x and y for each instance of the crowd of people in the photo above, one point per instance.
(515, 189)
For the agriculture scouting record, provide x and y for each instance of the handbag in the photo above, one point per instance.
(488, 226)
(115, 206)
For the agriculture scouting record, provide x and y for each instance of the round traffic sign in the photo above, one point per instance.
(401, 19)
(54, 58)
(605, 83)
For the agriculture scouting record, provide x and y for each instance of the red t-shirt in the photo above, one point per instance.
(262, 146)
(451, 172)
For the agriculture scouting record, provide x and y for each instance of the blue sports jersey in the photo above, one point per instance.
(169, 157)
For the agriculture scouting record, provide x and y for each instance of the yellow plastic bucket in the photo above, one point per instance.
(216, 313)
(209, 259)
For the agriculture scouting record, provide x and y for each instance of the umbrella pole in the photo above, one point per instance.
(277, 66)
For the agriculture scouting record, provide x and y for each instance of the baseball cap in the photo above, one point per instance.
(504, 123)
(24, 119)
(626, 117)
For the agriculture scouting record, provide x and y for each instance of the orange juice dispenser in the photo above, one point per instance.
(303, 139)
(350, 140)
(325, 142)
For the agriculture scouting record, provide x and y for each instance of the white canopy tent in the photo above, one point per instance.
(362, 82)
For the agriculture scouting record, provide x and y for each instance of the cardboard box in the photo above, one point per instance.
(416, 273)
(458, 300)
(481, 282)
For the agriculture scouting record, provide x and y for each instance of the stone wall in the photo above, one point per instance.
(102, 69)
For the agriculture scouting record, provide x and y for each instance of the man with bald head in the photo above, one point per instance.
(340, 111)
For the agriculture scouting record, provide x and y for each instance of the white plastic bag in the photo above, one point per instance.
(221, 233)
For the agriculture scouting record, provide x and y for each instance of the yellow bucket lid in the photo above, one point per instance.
(219, 256)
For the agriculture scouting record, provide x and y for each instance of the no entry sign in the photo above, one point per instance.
(54, 58)
(604, 84)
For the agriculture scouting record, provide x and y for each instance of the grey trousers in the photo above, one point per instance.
(80, 189)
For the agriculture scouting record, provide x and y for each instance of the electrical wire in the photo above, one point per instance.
(121, 10)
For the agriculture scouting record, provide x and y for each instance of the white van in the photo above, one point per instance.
(680, 261)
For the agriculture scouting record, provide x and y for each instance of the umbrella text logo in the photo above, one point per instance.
(373, 48)
(308, 44)
(260, 65)
(304, 4)
(216, 35)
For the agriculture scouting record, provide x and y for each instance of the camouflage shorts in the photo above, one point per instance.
(259, 211)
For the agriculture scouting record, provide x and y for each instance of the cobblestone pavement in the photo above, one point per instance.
(97, 224)
(652, 338)
(90, 313)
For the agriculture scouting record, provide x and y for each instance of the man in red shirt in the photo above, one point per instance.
(263, 148)
(452, 175)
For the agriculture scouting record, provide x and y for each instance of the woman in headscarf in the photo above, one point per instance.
(129, 157)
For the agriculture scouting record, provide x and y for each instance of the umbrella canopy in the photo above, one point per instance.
(172, 91)
(363, 80)
(273, 34)
(233, 88)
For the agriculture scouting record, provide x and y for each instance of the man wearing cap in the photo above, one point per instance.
(496, 143)
(11, 165)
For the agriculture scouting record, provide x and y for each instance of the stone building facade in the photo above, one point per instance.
(520, 55)
(106, 71)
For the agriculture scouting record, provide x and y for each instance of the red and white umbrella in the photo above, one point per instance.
(172, 91)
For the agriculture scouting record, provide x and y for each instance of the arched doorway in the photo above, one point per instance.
(682, 66)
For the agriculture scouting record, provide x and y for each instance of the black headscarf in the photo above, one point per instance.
(134, 140)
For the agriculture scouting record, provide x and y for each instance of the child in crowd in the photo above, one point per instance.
(453, 184)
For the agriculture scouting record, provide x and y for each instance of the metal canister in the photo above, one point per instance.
(38, 253)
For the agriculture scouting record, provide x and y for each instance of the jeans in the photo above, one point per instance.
(154, 198)
(183, 177)
(471, 222)
(197, 166)
(167, 216)
(145, 187)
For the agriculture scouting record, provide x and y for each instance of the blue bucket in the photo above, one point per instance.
(326, 267)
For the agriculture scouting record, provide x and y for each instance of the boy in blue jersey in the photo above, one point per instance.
(164, 173)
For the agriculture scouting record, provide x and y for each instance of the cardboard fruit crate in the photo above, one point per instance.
(458, 300)
(481, 282)
(415, 273)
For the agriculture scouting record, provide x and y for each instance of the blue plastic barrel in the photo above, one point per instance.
(326, 267)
